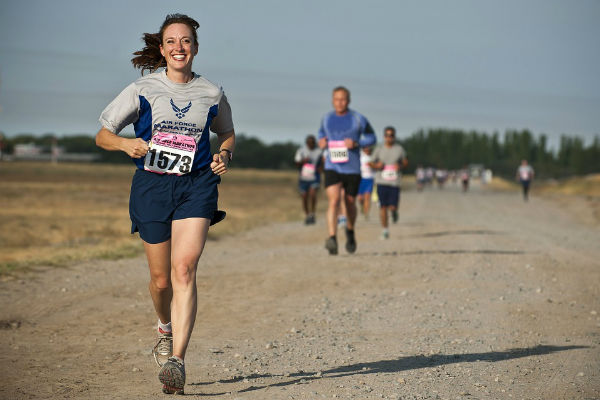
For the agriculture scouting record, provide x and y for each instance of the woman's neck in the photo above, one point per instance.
(180, 76)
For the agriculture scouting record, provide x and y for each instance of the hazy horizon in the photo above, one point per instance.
(463, 65)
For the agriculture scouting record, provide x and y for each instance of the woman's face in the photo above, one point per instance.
(178, 47)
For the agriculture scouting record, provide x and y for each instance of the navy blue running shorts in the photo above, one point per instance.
(305, 186)
(156, 200)
(388, 195)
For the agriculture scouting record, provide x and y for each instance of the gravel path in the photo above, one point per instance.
(474, 296)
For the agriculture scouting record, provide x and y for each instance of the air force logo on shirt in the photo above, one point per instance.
(180, 112)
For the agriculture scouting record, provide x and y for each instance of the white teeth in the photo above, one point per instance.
(179, 57)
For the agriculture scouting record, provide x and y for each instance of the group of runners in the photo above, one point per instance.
(351, 165)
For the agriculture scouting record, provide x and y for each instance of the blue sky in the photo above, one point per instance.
(484, 65)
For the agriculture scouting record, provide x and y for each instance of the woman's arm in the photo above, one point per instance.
(135, 148)
(220, 164)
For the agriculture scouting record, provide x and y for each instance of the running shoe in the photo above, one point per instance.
(331, 245)
(385, 234)
(310, 219)
(394, 216)
(172, 376)
(350, 241)
(341, 220)
(163, 349)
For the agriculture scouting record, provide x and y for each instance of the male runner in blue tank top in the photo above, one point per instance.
(343, 132)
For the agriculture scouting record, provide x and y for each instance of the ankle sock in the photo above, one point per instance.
(165, 328)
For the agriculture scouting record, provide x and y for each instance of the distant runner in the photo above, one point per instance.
(525, 175)
(309, 159)
(367, 180)
(174, 191)
(465, 176)
(388, 159)
(420, 177)
(343, 131)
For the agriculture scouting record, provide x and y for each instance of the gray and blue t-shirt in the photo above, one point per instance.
(154, 104)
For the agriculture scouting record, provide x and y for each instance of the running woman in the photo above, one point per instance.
(388, 160)
(174, 191)
(367, 181)
(309, 160)
(525, 175)
(343, 131)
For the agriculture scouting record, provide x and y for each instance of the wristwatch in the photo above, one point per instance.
(228, 152)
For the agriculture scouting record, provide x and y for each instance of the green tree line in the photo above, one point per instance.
(453, 149)
(440, 148)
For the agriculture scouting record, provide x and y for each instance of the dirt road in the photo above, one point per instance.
(474, 296)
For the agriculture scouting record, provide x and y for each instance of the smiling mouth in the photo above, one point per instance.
(179, 57)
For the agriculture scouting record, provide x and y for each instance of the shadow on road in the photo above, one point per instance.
(394, 365)
(423, 252)
(458, 232)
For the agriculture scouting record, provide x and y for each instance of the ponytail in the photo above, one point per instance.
(149, 58)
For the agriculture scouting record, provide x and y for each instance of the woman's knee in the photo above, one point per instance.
(160, 282)
(184, 272)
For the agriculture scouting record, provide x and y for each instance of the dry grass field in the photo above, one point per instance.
(58, 214)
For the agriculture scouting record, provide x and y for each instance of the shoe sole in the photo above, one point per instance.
(172, 379)
(350, 247)
(332, 250)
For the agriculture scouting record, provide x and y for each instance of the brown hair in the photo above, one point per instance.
(150, 58)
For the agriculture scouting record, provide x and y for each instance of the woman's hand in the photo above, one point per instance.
(135, 148)
(220, 164)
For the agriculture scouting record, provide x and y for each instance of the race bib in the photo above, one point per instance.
(525, 175)
(308, 172)
(389, 173)
(170, 154)
(338, 152)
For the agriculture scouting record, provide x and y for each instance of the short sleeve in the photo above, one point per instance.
(298, 156)
(322, 133)
(122, 111)
(402, 154)
(375, 155)
(223, 122)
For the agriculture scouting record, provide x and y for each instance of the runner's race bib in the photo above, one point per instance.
(338, 152)
(389, 173)
(308, 172)
(170, 154)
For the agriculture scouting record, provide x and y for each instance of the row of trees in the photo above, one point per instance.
(440, 148)
(452, 149)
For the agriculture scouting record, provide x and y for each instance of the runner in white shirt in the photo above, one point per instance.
(525, 175)
(367, 181)
(309, 160)
(420, 177)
